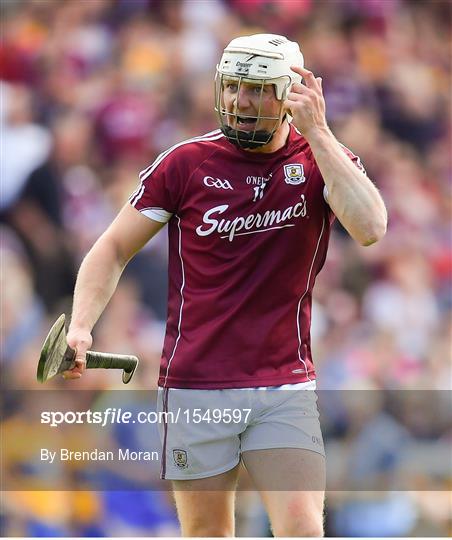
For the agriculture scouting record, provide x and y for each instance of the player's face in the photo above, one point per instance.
(246, 101)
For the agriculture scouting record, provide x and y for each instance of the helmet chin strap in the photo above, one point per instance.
(247, 139)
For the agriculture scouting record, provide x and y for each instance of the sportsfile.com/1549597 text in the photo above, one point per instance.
(114, 415)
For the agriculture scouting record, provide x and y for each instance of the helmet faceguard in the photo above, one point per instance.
(260, 59)
(245, 139)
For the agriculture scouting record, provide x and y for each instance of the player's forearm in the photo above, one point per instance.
(352, 196)
(96, 282)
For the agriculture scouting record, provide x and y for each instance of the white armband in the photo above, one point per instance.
(157, 214)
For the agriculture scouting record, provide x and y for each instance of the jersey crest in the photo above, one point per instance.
(294, 174)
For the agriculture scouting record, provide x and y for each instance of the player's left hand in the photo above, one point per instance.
(306, 104)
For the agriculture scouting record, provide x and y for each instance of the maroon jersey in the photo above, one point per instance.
(248, 233)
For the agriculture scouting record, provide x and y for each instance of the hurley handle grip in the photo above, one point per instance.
(126, 362)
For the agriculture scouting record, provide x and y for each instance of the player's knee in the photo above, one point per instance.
(207, 528)
(209, 531)
(301, 527)
(301, 517)
(311, 530)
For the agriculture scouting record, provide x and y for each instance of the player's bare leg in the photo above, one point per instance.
(205, 507)
(291, 482)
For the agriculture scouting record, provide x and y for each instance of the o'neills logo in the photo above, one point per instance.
(253, 223)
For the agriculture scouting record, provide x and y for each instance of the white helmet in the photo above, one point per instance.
(257, 59)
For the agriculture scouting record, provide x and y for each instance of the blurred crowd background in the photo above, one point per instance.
(93, 90)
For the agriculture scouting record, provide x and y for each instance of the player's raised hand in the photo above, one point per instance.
(81, 341)
(305, 103)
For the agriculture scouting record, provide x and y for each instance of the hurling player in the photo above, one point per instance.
(248, 209)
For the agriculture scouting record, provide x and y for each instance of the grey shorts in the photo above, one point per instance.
(205, 431)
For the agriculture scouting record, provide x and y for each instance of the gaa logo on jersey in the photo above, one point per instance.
(294, 174)
(180, 458)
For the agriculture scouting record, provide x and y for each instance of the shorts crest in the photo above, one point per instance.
(180, 458)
